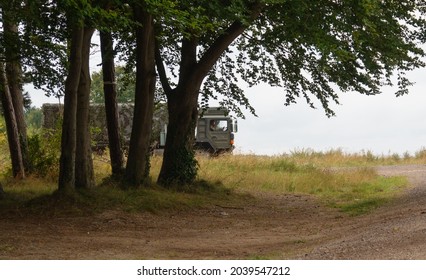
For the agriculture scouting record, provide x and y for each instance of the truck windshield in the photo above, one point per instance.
(218, 125)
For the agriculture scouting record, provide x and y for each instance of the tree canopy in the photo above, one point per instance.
(200, 50)
(308, 48)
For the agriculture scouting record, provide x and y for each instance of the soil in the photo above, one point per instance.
(269, 226)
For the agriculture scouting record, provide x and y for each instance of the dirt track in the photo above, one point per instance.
(284, 226)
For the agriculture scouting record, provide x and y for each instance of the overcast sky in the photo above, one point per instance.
(383, 124)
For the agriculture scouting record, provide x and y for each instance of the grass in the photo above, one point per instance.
(225, 179)
(355, 190)
(338, 158)
(43, 199)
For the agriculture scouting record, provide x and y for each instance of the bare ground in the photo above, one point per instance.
(270, 226)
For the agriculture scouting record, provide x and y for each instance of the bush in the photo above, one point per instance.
(43, 151)
(4, 149)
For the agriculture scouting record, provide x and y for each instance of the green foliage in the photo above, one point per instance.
(43, 150)
(125, 86)
(4, 150)
(125, 83)
(45, 32)
(185, 169)
(305, 46)
(43, 40)
(187, 166)
(2, 125)
(33, 119)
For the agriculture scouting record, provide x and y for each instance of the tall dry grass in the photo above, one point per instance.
(356, 190)
(337, 157)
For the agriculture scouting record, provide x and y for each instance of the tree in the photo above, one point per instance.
(13, 70)
(110, 96)
(139, 34)
(179, 164)
(302, 46)
(356, 46)
(11, 126)
(84, 174)
(67, 161)
(137, 168)
(76, 166)
(26, 39)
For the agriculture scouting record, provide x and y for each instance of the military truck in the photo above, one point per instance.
(214, 132)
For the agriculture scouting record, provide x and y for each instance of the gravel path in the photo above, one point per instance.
(267, 226)
(395, 231)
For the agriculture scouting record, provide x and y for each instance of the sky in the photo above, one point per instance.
(382, 124)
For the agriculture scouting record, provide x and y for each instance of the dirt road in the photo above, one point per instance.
(269, 226)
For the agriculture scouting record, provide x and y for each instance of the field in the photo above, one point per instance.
(304, 205)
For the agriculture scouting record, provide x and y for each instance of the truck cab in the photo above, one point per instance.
(215, 131)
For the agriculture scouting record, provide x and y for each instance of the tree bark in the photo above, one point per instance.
(179, 164)
(84, 176)
(110, 98)
(18, 169)
(66, 180)
(137, 169)
(14, 77)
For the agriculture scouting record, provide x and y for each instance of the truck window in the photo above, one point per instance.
(218, 125)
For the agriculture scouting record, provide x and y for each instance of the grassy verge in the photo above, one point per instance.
(35, 197)
(225, 179)
(354, 190)
(338, 158)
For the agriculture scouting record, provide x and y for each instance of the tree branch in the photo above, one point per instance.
(162, 70)
(188, 57)
(225, 40)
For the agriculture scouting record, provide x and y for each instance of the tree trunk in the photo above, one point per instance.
(179, 163)
(84, 176)
(137, 169)
(68, 141)
(11, 126)
(14, 77)
(110, 97)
